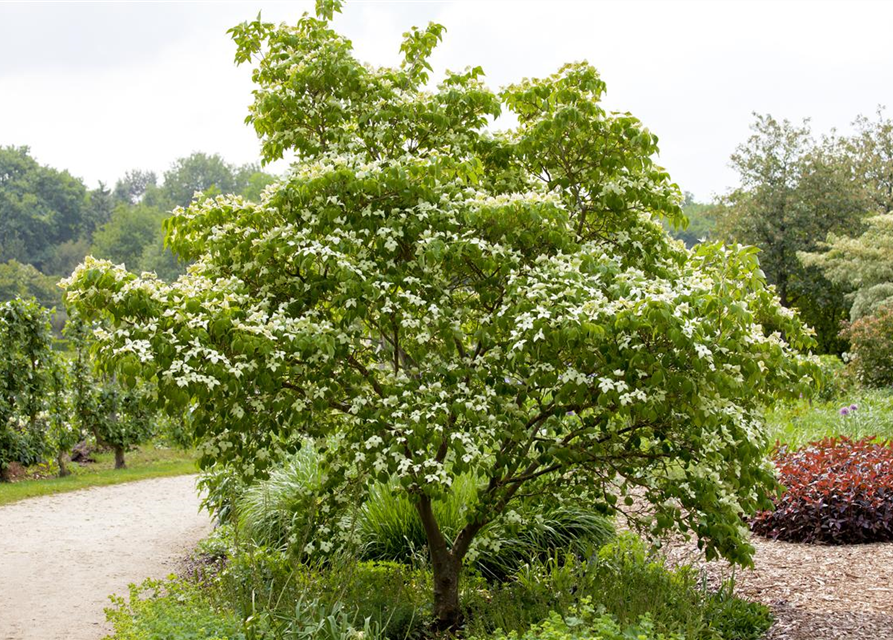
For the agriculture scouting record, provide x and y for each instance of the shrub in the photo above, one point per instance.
(836, 379)
(871, 347)
(735, 619)
(839, 491)
(280, 510)
(171, 610)
(628, 582)
(583, 624)
(283, 598)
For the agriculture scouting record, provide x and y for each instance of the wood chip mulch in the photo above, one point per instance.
(817, 592)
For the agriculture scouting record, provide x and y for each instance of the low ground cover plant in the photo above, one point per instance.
(171, 610)
(837, 491)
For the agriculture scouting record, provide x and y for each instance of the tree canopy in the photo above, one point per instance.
(427, 299)
(794, 192)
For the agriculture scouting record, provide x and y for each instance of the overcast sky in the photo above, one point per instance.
(100, 88)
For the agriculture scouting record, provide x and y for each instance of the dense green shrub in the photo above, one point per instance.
(584, 624)
(264, 585)
(26, 360)
(735, 619)
(871, 347)
(838, 491)
(171, 610)
(836, 378)
(628, 582)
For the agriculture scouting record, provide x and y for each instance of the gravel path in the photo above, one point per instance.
(62, 556)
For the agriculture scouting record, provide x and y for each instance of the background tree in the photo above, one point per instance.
(24, 382)
(863, 265)
(19, 280)
(133, 186)
(793, 193)
(871, 154)
(118, 417)
(126, 235)
(39, 207)
(701, 218)
(62, 431)
(426, 300)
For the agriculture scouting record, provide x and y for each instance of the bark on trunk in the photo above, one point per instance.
(446, 569)
(63, 466)
(119, 457)
(446, 565)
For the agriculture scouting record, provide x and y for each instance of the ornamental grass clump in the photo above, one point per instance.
(839, 491)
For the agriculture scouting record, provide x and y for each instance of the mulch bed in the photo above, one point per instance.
(817, 592)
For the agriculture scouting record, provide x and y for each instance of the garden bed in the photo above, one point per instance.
(817, 592)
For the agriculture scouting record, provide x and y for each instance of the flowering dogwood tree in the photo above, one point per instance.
(426, 298)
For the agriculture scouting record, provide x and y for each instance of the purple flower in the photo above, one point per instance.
(853, 407)
(845, 411)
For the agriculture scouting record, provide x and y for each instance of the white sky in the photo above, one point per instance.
(101, 88)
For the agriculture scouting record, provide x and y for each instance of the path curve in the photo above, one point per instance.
(61, 556)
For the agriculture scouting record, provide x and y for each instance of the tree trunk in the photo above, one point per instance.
(446, 569)
(119, 457)
(63, 467)
(446, 565)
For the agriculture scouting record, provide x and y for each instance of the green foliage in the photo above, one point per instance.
(871, 351)
(583, 623)
(19, 280)
(871, 153)
(118, 416)
(281, 510)
(128, 232)
(39, 207)
(836, 379)
(26, 361)
(733, 618)
(794, 192)
(628, 582)
(701, 219)
(207, 174)
(280, 599)
(863, 264)
(390, 529)
(426, 299)
(170, 610)
(132, 188)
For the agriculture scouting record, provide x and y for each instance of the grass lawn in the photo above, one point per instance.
(143, 463)
(801, 422)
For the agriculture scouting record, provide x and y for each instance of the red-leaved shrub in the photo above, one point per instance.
(838, 491)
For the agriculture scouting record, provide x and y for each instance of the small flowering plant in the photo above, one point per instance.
(847, 410)
(426, 299)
